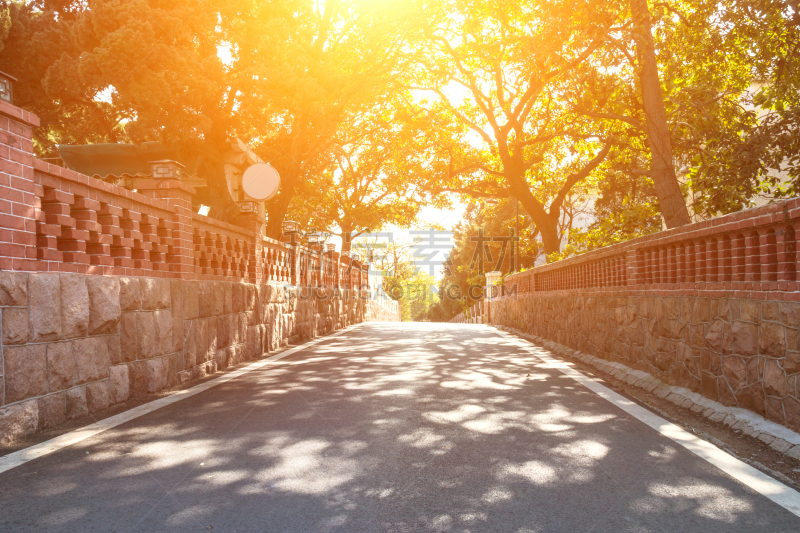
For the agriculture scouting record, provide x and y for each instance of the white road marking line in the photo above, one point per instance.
(785, 496)
(21, 457)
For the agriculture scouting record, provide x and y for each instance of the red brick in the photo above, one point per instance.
(24, 237)
(71, 245)
(57, 197)
(13, 195)
(29, 265)
(76, 257)
(11, 168)
(102, 260)
(46, 241)
(23, 210)
(11, 250)
(10, 221)
(108, 209)
(56, 209)
(99, 238)
(24, 158)
(86, 203)
(61, 220)
(48, 229)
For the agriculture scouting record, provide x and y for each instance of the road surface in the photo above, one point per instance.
(387, 427)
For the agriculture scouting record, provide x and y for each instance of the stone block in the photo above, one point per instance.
(792, 409)
(251, 303)
(130, 294)
(114, 349)
(790, 314)
(221, 358)
(770, 311)
(91, 359)
(97, 397)
(206, 298)
(774, 410)
(146, 334)
(775, 383)
(13, 288)
(52, 410)
(155, 293)
(163, 332)
(745, 338)
(61, 366)
(755, 369)
(225, 326)
(76, 405)
(17, 421)
(238, 292)
(74, 306)
(172, 361)
(772, 339)
(195, 342)
(715, 335)
(119, 383)
(735, 371)
(44, 317)
(191, 305)
(137, 378)
(241, 323)
(25, 372)
(176, 307)
(129, 336)
(184, 377)
(157, 374)
(104, 305)
(15, 325)
(749, 311)
(227, 297)
(213, 341)
(792, 362)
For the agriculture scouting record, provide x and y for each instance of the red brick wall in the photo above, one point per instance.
(53, 219)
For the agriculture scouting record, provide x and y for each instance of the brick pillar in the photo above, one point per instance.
(752, 257)
(181, 255)
(769, 255)
(712, 267)
(17, 189)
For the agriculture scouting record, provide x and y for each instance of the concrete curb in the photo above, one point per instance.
(776, 436)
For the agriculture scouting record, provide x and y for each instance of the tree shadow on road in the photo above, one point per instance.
(389, 427)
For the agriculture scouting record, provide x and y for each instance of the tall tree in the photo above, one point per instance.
(321, 63)
(378, 173)
(498, 72)
(662, 166)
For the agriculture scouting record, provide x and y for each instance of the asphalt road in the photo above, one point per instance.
(388, 427)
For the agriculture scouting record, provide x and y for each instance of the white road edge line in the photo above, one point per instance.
(21, 457)
(785, 496)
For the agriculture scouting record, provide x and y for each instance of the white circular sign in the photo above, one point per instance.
(261, 181)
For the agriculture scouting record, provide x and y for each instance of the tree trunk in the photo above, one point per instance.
(662, 169)
(212, 168)
(347, 243)
(276, 211)
(547, 225)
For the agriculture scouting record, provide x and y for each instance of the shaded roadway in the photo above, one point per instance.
(387, 427)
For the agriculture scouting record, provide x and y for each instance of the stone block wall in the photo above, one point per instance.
(74, 344)
(738, 351)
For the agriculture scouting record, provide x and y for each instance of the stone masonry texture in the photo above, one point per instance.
(74, 344)
(739, 352)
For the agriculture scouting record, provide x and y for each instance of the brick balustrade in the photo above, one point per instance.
(749, 254)
(53, 219)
